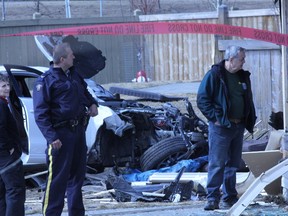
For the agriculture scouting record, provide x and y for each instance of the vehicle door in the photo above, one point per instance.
(21, 104)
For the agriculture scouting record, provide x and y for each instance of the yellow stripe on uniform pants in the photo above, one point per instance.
(46, 198)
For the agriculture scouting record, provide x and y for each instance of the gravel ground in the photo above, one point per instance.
(97, 204)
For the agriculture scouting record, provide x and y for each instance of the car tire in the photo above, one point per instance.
(163, 154)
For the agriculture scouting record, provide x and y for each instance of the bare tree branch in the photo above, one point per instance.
(145, 6)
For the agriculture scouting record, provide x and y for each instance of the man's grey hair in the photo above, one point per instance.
(232, 52)
(59, 51)
(4, 77)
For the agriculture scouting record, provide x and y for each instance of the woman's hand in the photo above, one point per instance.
(93, 110)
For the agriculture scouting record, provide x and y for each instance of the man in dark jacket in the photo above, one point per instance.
(61, 105)
(225, 99)
(12, 183)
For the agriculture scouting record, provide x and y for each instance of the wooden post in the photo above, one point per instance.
(222, 19)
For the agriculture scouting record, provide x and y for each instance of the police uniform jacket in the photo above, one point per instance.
(57, 98)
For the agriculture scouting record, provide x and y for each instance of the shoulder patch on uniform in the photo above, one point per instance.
(38, 87)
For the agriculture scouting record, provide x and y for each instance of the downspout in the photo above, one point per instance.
(284, 141)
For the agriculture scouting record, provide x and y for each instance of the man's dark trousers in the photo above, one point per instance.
(66, 170)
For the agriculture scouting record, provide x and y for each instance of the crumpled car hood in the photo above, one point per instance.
(88, 61)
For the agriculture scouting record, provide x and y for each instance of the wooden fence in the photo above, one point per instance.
(183, 57)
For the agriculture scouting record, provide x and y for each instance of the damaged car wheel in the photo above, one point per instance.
(165, 153)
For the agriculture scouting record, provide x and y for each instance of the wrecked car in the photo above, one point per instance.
(124, 133)
(150, 137)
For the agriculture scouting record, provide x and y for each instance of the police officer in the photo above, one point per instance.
(61, 105)
(12, 183)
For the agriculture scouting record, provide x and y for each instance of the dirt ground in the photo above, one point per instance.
(96, 206)
(98, 201)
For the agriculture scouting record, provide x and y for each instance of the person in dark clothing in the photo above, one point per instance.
(225, 99)
(12, 183)
(61, 106)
